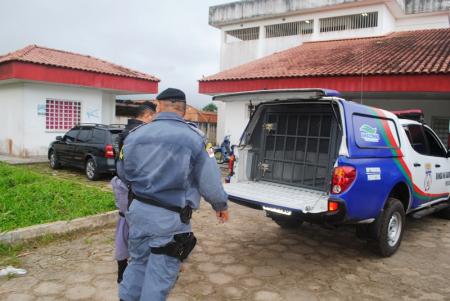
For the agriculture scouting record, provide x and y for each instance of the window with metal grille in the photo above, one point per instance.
(245, 34)
(290, 29)
(357, 21)
(62, 114)
(441, 126)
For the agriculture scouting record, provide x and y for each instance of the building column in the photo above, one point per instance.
(316, 29)
(261, 42)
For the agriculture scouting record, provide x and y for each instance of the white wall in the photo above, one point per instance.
(108, 108)
(237, 53)
(11, 119)
(36, 137)
(221, 116)
(236, 118)
(423, 22)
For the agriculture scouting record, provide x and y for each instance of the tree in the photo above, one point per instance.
(210, 108)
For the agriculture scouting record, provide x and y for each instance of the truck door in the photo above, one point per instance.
(419, 164)
(440, 165)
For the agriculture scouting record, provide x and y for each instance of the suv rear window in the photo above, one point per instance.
(98, 136)
(85, 135)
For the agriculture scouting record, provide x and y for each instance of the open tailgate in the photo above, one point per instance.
(275, 197)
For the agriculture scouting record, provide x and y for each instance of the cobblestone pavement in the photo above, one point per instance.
(251, 258)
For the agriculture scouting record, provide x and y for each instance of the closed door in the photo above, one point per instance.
(440, 166)
(67, 147)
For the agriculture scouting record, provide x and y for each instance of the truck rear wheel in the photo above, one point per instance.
(389, 228)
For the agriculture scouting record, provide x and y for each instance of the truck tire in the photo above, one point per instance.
(287, 222)
(91, 170)
(388, 228)
(54, 162)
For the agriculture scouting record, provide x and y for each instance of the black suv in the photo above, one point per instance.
(91, 147)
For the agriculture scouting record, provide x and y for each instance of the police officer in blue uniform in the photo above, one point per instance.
(167, 169)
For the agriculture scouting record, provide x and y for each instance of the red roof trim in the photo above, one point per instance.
(391, 83)
(36, 72)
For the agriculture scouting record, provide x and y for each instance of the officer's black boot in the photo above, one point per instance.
(121, 266)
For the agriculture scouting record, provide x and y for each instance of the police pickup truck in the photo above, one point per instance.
(309, 155)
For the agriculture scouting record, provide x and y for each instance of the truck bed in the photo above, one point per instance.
(278, 196)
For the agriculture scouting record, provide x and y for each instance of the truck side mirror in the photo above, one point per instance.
(59, 138)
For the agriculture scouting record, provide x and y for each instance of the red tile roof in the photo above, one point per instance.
(195, 115)
(58, 58)
(400, 53)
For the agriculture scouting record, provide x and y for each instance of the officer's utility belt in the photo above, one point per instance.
(180, 248)
(185, 213)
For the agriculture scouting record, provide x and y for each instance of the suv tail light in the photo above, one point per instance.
(343, 177)
(109, 151)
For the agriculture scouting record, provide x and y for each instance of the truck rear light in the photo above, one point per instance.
(343, 177)
(333, 206)
(109, 151)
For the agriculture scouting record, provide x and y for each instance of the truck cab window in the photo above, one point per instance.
(435, 147)
(417, 138)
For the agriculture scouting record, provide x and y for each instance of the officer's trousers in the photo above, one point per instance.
(149, 277)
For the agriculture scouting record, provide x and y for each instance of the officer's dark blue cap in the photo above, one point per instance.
(172, 94)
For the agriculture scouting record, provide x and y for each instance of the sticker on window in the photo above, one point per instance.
(369, 134)
(374, 132)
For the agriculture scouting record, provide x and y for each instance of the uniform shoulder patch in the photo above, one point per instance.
(210, 152)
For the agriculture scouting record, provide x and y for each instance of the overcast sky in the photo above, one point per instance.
(170, 39)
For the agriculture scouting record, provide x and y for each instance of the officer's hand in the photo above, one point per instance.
(222, 216)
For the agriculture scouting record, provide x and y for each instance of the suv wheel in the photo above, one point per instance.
(54, 162)
(91, 170)
(389, 228)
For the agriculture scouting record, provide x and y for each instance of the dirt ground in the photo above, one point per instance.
(251, 258)
(71, 174)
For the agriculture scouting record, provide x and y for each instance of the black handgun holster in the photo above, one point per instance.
(180, 248)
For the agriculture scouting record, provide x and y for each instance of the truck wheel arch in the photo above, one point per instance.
(402, 192)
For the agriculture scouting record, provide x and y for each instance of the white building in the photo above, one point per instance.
(254, 29)
(44, 92)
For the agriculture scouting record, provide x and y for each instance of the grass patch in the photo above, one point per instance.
(29, 198)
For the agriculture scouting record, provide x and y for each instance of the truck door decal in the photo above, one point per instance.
(388, 137)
